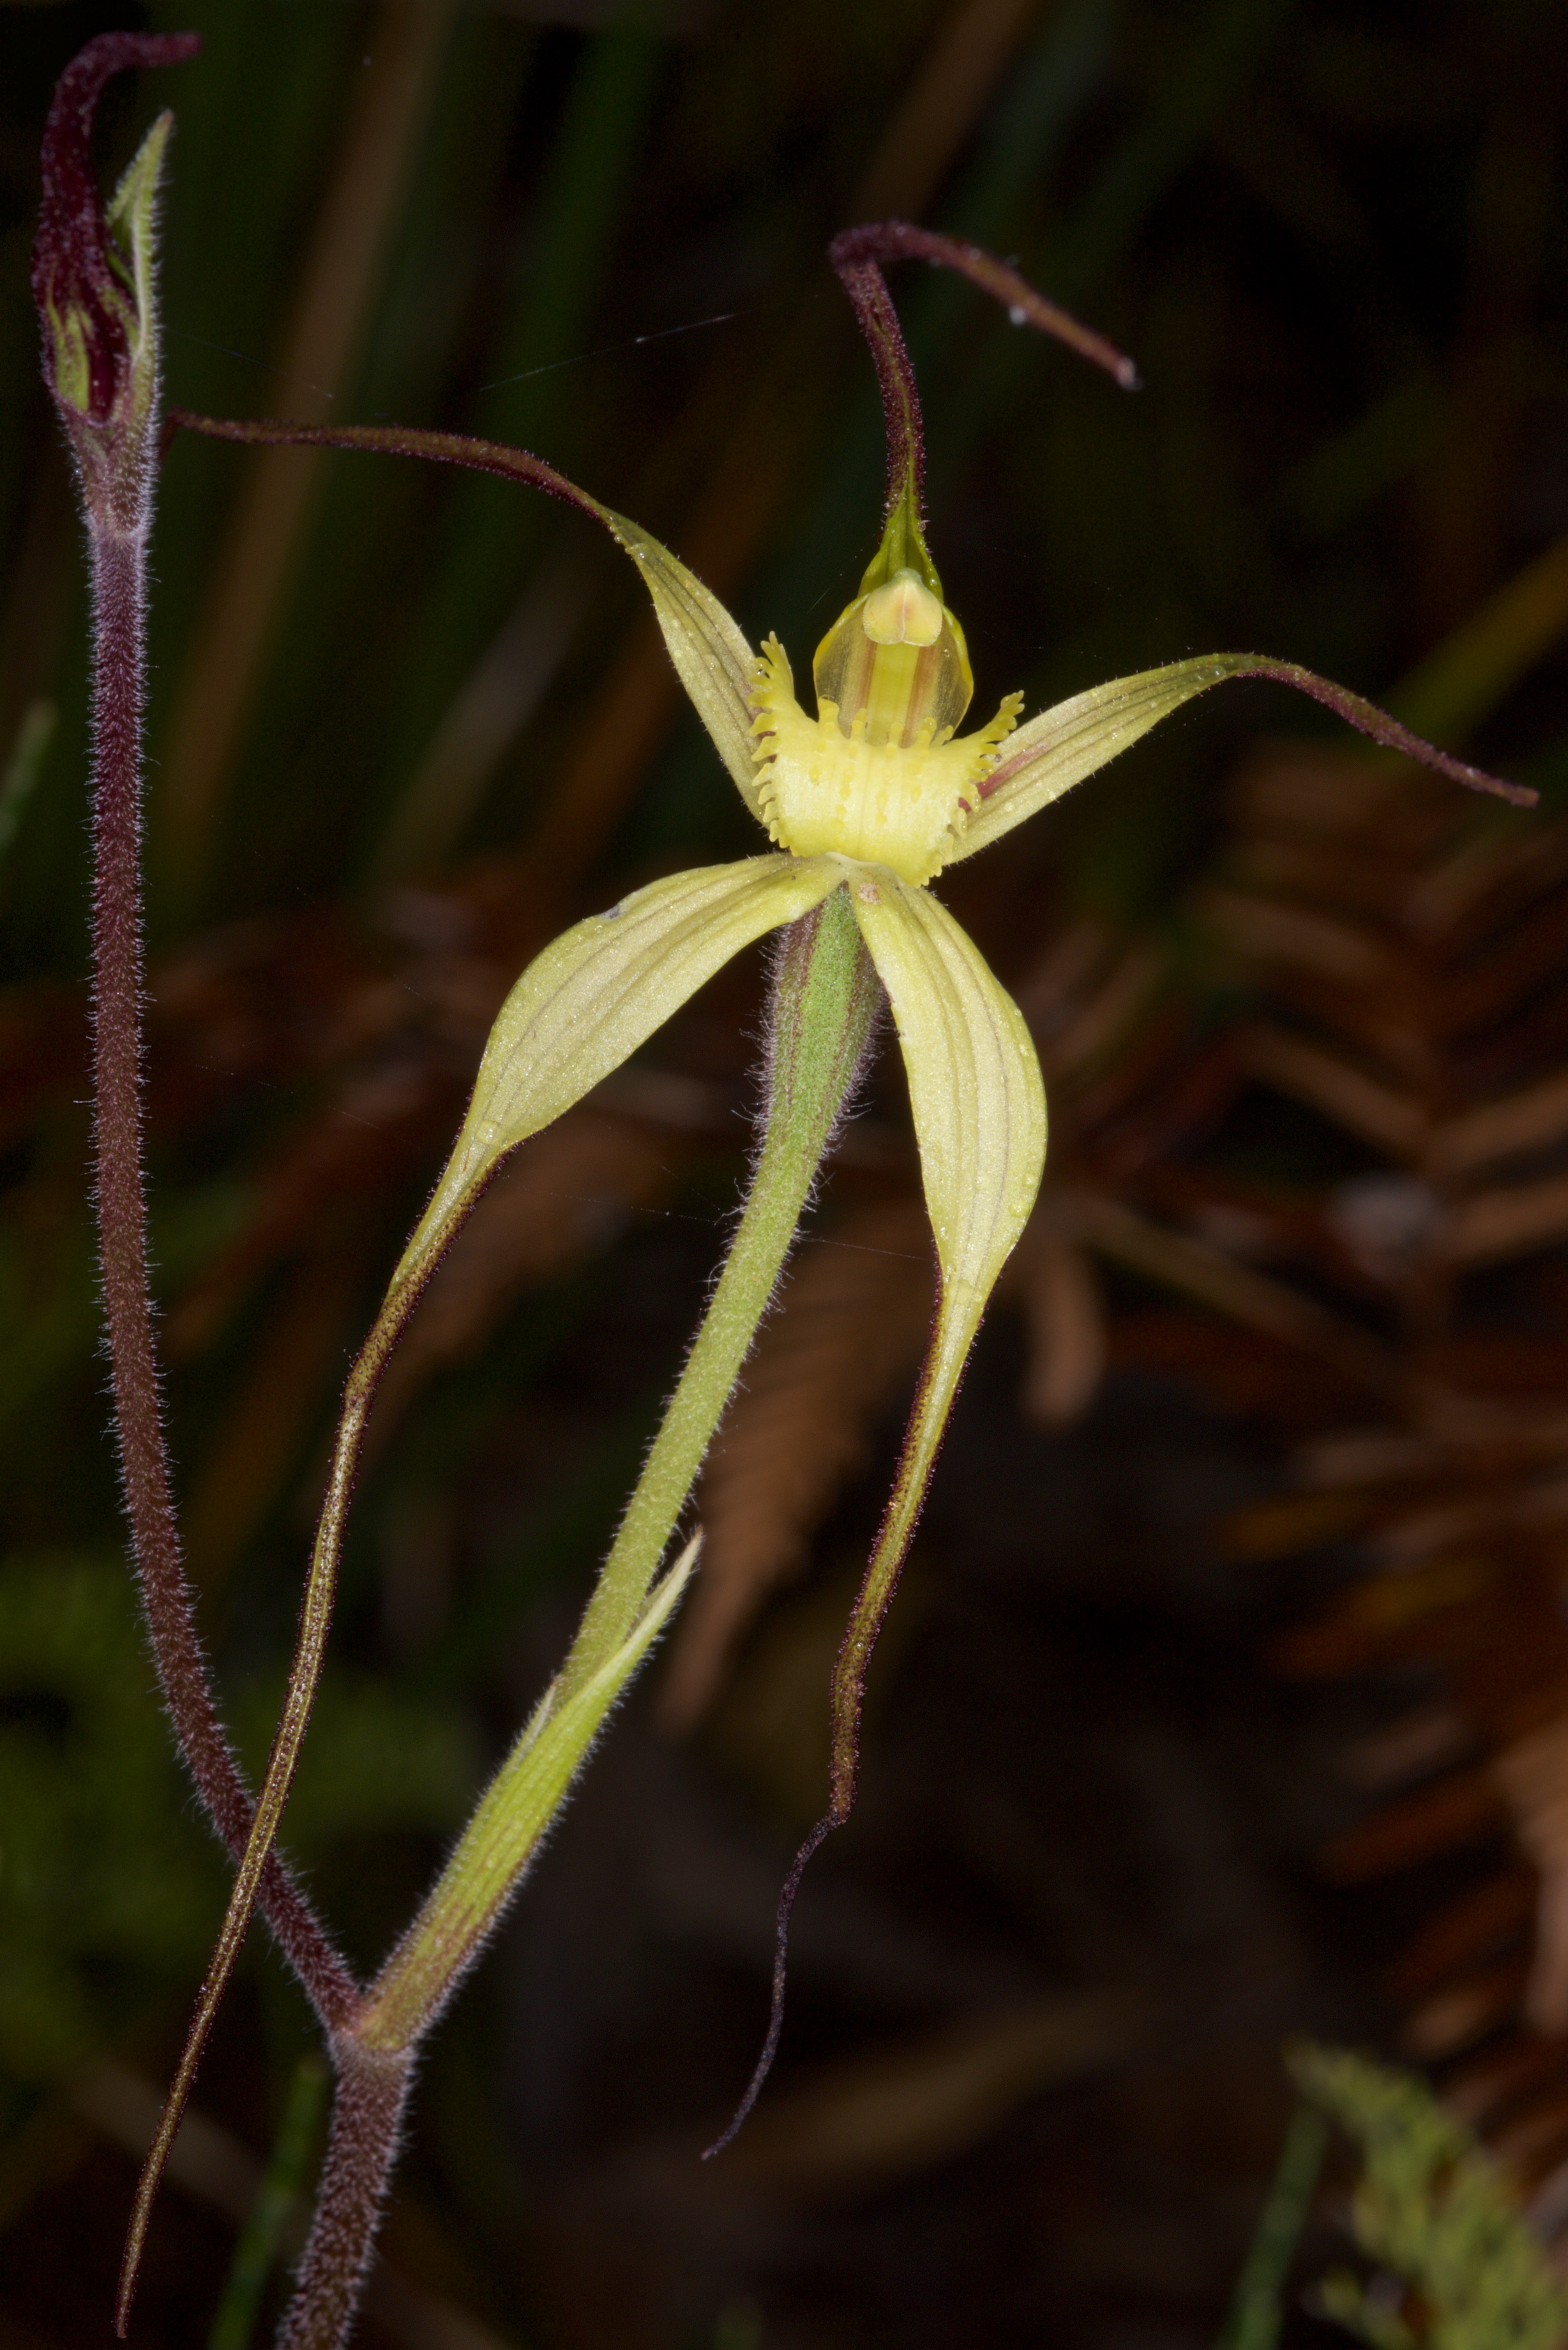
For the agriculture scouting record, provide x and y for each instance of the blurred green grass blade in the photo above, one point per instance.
(579, 211)
(489, 539)
(233, 649)
(1474, 669)
(19, 780)
(501, 691)
(375, 683)
(311, 784)
(1043, 102)
(1383, 446)
(261, 2233)
(227, 261)
(1222, 48)
(1547, 773)
(1257, 2310)
(254, 131)
(19, 378)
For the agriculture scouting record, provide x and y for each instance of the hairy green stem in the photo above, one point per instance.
(825, 998)
(93, 282)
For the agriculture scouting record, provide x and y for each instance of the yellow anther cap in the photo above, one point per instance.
(903, 611)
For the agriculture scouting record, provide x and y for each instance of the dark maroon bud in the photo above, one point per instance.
(84, 276)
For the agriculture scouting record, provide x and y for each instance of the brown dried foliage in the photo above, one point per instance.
(1407, 965)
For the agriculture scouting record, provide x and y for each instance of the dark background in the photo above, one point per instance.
(405, 725)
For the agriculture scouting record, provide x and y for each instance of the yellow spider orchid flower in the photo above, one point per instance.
(867, 801)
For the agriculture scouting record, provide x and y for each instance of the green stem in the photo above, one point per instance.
(824, 995)
(263, 2230)
(1257, 2312)
(824, 998)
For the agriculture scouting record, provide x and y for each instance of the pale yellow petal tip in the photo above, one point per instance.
(826, 791)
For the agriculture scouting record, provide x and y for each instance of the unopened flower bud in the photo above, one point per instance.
(92, 265)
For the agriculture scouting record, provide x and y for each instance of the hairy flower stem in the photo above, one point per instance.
(93, 279)
(94, 282)
(366, 2131)
(824, 1000)
(118, 576)
(257, 1851)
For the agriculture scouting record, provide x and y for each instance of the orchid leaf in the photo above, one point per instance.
(586, 1002)
(1079, 736)
(506, 1831)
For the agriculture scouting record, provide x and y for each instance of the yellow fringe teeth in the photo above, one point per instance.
(825, 788)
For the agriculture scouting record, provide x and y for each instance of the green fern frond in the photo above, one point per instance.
(1458, 2267)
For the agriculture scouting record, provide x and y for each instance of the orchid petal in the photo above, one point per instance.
(586, 1002)
(979, 1106)
(712, 658)
(975, 1087)
(1076, 737)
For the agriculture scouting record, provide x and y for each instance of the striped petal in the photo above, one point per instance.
(1077, 737)
(979, 1107)
(975, 1087)
(712, 658)
(586, 1002)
